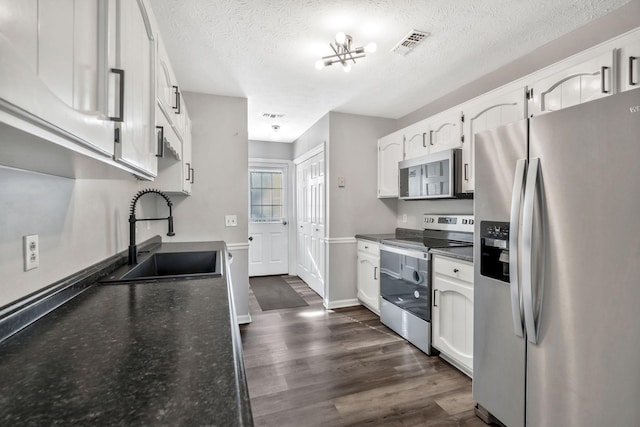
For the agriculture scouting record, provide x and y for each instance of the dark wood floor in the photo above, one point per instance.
(309, 366)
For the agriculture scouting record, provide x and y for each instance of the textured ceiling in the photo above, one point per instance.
(265, 50)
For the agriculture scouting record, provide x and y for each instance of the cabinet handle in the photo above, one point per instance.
(424, 142)
(120, 116)
(188, 171)
(455, 270)
(160, 141)
(466, 168)
(435, 304)
(193, 175)
(430, 137)
(176, 91)
(602, 79)
(632, 59)
(375, 273)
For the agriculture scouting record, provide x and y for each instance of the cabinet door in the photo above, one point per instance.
(368, 281)
(630, 61)
(445, 130)
(389, 154)
(137, 146)
(189, 176)
(487, 112)
(585, 81)
(167, 93)
(453, 319)
(416, 141)
(52, 67)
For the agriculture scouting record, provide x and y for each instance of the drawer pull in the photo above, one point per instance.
(455, 270)
(632, 59)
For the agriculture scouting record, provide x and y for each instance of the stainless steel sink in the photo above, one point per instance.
(170, 265)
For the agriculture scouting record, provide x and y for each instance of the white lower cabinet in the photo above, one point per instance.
(369, 274)
(452, 311)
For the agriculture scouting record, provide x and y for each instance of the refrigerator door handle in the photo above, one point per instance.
(533, 175)
(514, 229)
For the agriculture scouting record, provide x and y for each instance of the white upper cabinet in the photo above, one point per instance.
(580, 79)
(137, 143)
(416, 139)
(168, 92)
(629, 57)
(390, 152)
(52, 73)
(445, 130)
(491, 110)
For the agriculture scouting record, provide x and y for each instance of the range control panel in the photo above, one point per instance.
(448, 222)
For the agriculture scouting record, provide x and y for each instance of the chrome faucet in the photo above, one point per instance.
(133, 251)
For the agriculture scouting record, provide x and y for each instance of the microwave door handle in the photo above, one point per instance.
(514, 229)
(531, 188)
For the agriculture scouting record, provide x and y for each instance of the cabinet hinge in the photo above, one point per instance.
(462, 138)
(116, 135)
(462, 117)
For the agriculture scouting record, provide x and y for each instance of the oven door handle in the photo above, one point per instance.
(402, 251)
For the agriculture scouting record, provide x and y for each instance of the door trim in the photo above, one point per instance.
(291, 202)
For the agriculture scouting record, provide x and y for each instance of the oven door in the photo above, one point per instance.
(405, 280)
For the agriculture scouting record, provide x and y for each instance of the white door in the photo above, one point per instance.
(310, 222)
(268, 228)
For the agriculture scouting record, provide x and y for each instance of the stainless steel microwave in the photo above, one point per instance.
(434, 176)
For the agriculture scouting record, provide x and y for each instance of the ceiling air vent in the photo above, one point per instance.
(409, 42)
(272, 115)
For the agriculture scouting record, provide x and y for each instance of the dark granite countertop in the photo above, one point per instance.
(160, 353)
(376, 237)
(464, 253)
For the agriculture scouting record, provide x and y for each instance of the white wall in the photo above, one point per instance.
(220, 159)
(79, 222)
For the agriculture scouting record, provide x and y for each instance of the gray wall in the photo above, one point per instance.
(314, 136)
(79, 222)
(618, 22)
(353, 154)
(220, 159)
(270, 150)
(598, 31)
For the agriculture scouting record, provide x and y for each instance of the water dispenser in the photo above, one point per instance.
(494, 250)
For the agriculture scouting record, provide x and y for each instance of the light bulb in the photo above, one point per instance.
(371, 47)
(346, 67)
(319, 64)
(341, 38)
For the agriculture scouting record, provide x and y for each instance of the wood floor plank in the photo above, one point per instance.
(308, 366)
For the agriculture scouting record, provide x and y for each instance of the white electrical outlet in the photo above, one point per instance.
(404, 217)
(31, 252)
(231, 220)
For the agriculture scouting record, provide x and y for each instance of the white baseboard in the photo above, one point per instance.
(329, 305)
(244, 319)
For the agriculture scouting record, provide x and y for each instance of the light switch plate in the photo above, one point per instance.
(231, 220)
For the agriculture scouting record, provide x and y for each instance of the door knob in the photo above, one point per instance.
(284, 222)
(250, 239)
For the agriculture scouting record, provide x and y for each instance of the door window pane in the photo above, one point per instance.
(266, 196)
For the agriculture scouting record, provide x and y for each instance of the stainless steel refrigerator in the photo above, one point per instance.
(557, 267)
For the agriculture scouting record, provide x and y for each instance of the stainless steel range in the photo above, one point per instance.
(405, 274)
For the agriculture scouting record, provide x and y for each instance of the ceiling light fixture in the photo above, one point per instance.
(344, 53)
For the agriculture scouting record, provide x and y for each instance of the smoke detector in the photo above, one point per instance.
(275, 128)
(410, 41)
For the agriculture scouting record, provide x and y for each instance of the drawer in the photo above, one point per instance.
(369, 247)
(461, 270)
